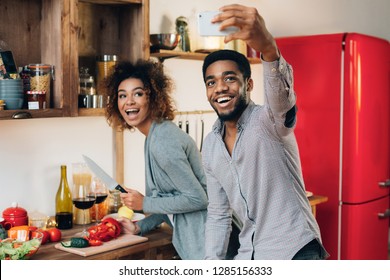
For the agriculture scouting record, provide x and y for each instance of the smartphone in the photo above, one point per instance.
(207, 28)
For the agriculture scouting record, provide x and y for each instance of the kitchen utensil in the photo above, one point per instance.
(202, 134)
(163, 41)
(16, 216)
(99, 172)
(187, 126)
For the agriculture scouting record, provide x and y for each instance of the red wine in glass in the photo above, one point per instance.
(84, 202)
(100, 197)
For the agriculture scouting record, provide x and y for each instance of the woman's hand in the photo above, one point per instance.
(128, 226)
(132, 199)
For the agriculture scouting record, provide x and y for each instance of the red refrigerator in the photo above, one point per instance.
(342, 83)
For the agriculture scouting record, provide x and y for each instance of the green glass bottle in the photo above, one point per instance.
(64, 204)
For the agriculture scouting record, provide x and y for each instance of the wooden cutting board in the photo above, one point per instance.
(122, 241)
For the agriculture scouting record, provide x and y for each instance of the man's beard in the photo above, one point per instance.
(237, 111)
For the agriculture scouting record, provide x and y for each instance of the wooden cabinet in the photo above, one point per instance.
(69, 34)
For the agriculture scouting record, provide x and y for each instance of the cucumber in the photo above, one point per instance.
(76, 242)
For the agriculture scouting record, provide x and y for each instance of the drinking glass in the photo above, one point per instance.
(82, 195)
(101, 193)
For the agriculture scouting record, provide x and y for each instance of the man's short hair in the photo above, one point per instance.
(241, 61)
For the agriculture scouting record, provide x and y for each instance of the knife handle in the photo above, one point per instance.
(119, 188)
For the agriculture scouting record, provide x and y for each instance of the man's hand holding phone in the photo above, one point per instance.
(207, 28)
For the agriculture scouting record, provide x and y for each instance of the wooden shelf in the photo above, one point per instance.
(89, 112)
(165, 54)
(45, 113)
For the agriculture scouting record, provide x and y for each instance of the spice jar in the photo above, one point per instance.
(15, 215)
(41, 76)
(104, 64)
(36, 100)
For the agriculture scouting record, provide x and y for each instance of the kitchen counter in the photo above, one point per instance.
(158, 247)
(314, 200)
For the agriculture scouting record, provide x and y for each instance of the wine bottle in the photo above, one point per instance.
(64, 204)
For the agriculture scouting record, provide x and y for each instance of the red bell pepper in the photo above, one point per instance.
(105, 231)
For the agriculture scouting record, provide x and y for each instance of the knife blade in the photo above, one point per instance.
(99, 172)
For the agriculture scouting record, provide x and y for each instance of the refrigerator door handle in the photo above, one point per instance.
(384, 215)
(385, 184)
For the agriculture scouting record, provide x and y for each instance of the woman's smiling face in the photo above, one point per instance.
(133, 104)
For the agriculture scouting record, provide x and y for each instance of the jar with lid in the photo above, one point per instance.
(41, 76)
(15, 215)
(87, 82)
(104, 66)
(115, 201)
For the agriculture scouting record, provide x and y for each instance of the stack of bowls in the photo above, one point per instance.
(11, 91)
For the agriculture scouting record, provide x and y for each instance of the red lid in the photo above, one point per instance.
(15, 211)
(36, 92)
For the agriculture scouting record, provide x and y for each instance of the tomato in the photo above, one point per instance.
(46, 236)
(55, 234)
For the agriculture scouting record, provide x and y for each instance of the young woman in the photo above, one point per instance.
(139, 98)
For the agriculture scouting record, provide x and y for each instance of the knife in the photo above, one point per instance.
(99, 172)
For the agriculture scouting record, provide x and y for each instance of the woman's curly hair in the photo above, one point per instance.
(158, 85)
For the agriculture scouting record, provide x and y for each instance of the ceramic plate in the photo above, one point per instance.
(136, 217)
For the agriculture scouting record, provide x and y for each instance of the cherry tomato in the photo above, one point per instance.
(55, 234)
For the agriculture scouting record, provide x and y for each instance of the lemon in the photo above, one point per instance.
(126, 212)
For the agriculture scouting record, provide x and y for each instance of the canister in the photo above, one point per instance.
(41, 76)
(104, 66)
(115, 201)
(15, 215)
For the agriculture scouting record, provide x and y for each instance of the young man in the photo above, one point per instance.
(251, 157)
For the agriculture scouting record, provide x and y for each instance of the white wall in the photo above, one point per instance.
(31, 151)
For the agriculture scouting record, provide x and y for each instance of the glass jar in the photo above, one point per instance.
(115, 201)
(36, 100)
(41, 76)
(104, 64)
(87, 82)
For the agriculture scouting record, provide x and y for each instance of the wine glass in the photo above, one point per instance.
(82, 195)
(101, 193)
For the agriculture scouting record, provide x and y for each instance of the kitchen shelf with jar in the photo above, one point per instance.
(117, 29)
(37, 38)
(165, 54)
(67, 34)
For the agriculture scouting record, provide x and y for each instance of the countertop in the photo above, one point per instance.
(158, 246)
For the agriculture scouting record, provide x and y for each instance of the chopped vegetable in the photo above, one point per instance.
(77, 242)
(16, 250)
(94, 242)
(105, 231)
(21, 233)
